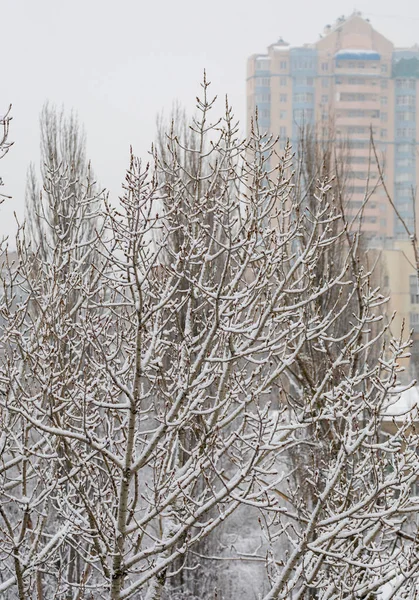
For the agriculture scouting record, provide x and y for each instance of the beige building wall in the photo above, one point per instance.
(402, 286)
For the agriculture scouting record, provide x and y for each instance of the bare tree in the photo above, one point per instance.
(57, 253)
(183, 156)
(66, 176)
(5, 123)
(171, 398)
(4, 139)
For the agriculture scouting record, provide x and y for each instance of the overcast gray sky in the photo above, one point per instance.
(118, 63)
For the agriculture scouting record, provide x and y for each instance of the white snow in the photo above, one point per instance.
(355, 51)
(408, 401)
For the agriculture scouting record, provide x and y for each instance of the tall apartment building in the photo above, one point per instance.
(350, 80)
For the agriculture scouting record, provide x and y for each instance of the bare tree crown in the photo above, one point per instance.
(200, 367)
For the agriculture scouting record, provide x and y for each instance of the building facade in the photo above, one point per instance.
(350, 82)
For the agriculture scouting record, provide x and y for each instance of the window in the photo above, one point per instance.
(359, 175)
(402, 177)
(283, 132)
(282, 81)
(365, 175)
(358, 81)
(383, 133)
(325, 82)
(406, 100)
(405, 132)
(383, 100)
(282, 97)
(406, 115)
(360, 114)
(303, 63)
(303, 114)
(414, 321)
(283, 65)
(304, 81)
(262, 65)
(360, 160)
(262, 98)
(400, 232)
(263, 81)
(358, 144)
(404, 149)
(349, 97)
(406, 84)
(325, 66)
(403, 188)
(303, 98)
(404, 207)
(405, 162)
(325, 99)
(383, 117)
(384, 84)
(383, 68)
(352, 130)
(282, 114)
(355, 204)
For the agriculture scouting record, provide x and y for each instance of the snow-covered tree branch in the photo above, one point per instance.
(4, 139)
(204, 366)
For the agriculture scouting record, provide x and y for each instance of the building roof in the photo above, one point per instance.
(357, 53)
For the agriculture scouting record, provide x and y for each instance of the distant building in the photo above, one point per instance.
(401, 281)
(350, 80)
